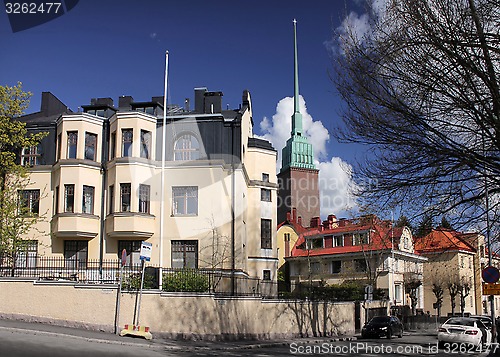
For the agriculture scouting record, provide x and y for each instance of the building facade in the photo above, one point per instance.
(365, 250)
(97, 178)
(455, 261)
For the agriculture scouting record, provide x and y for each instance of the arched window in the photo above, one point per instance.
(186, 148)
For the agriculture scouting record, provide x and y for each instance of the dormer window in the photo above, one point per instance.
(406, 243)
(338, 241)
(315, 243)
(186, 148)
(360, 238)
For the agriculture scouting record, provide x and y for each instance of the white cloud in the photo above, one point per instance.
(277, 130)
(335, 174)
(356, 26)
(335, 185)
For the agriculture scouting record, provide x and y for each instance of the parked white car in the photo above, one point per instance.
(464, 330)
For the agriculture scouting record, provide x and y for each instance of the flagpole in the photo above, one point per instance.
(162, 194)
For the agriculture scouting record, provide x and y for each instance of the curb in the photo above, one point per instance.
(88, 339)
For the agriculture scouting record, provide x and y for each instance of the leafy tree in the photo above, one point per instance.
(421, 88)
(16, 217)
(13, 133)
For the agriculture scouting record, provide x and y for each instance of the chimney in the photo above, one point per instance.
(299, 220)
(213, 102)
(315, 222)
(342, 222)
(294, 214)
(158, 100)
(288, 216)
(102, 101)
(246, 99)
(199, 99)
(124, 102)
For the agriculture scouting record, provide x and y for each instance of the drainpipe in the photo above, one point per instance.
(104, 173)
(233, 198)
(233, 250)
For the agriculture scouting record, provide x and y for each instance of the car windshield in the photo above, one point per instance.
(462, 322)
(379, 319)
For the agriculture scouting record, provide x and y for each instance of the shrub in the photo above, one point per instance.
(133, 282)
(186, 281)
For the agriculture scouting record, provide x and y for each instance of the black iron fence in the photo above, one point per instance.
(61, 269)
(92, 271)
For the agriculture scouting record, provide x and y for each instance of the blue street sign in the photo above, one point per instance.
(145, 253)
(490, 275)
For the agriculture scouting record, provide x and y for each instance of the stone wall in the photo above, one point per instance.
(179, 315)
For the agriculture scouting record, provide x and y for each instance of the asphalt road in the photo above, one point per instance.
(19, 339)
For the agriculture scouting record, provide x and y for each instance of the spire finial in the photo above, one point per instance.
(297, 117)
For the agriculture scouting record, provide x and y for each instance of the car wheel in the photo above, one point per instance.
(389, 333)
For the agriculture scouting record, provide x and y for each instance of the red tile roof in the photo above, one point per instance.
(441, 240)
(381, 237)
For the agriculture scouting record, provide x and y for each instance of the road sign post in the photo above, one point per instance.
(119, 293)
(135, 329)
(145, 255)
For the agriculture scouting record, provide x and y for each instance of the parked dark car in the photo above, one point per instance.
(382, 326)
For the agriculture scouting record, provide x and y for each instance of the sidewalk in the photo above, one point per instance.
(158, 342)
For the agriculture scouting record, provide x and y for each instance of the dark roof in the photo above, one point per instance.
(51, 108)
(260, 143)
(146, 104)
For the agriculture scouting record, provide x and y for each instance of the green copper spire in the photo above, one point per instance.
(298, 152)
(297, 117)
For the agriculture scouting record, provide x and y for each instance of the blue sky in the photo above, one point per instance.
(112, 48)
